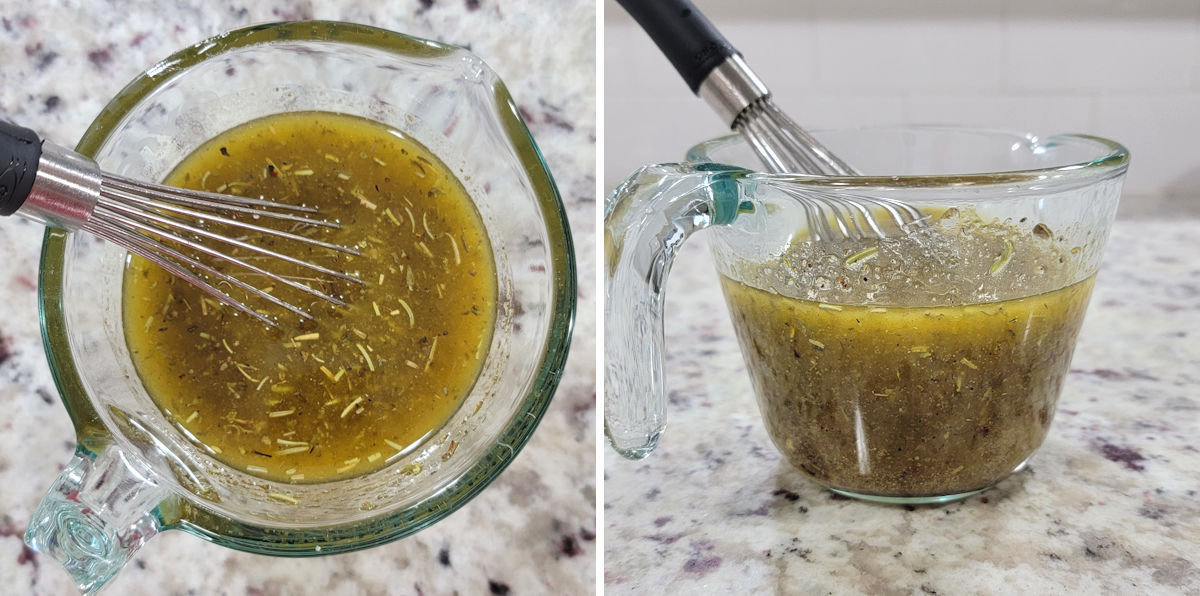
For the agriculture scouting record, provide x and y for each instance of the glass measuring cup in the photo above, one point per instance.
(135, 473)
(919, 363)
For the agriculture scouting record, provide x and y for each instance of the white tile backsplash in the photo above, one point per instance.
(1161, 133)
(658, 130)
(1117, 68)
(1044, 114)
(901, 55)
(1100, 55)
(788, 50)
(844, 110)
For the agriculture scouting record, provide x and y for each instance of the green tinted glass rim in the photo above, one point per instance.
(1111, 159)
(177, 513)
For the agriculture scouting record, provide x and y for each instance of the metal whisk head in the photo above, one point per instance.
(843, 216)
(783, 145)
(738, 95)
(716, 72)
(174, 228)
(147, 219)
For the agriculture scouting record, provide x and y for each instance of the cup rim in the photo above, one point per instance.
(1111, 160)
(92, 436)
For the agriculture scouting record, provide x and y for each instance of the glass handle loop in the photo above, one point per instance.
(95, 517)
(647, 218)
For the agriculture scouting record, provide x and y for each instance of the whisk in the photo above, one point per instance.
(717, 73)
(60, 188)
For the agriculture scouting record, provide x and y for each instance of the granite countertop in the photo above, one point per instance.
(1109, 505)
(64, 59)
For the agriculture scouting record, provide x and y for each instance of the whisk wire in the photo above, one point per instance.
(187, 195)
(864, 214)
(783, 146)
(814, 214)
(857, 217)
(799, 142)
(782, 156)
(177, 204)
(773, 146)
(904, 214)
(164, 231)
(154, 204)
(160, 224)
(753, 133)
(172, 223)
(171, 261)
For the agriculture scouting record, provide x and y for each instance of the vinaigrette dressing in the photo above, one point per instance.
(925, 364)
(342, 394)
(907, 401)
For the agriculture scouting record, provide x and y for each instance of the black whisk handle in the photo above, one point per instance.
(683, 34)
(20, 151)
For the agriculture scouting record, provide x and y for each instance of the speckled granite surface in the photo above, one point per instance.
(63, 59)
(1109, 505)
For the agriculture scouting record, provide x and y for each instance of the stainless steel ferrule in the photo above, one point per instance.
(65, 190)
(731, 87)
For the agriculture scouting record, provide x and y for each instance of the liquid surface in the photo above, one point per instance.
(341, 394)
(958, 258)
(932, 398)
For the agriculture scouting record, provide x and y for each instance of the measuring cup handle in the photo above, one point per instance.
(99, 511)
(646, 220)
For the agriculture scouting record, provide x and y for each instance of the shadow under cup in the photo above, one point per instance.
(137, 470)
(919, 363)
